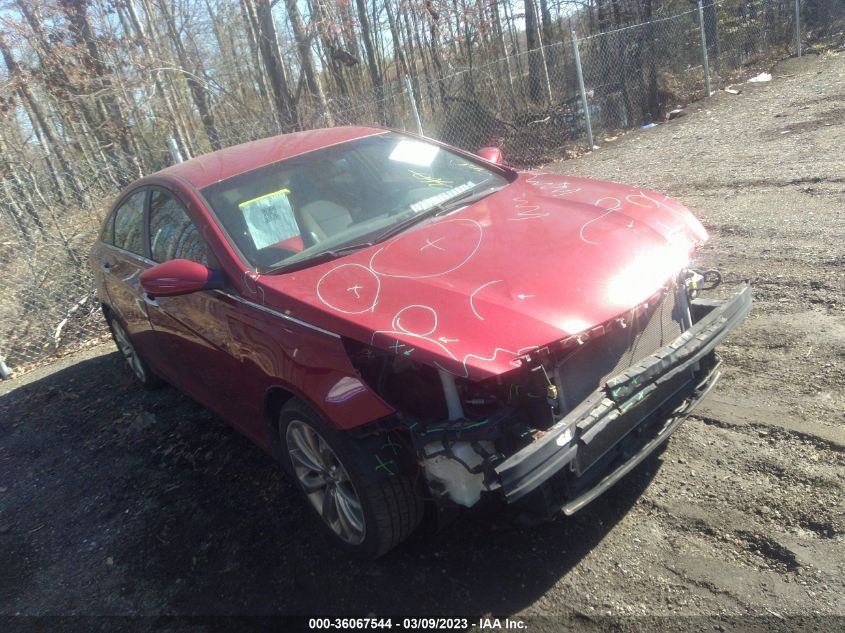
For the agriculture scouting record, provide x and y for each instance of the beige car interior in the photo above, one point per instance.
(324, 218)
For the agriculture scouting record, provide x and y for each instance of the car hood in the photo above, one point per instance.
(545, 258)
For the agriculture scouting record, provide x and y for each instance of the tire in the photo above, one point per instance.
(334, 471)
(137, 365)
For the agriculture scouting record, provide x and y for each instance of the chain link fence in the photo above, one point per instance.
(537, 106)
(531, 104)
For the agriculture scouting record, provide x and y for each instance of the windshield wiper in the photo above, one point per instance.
(320, 258)
(467, 197)
(410, 221)
(462, 199)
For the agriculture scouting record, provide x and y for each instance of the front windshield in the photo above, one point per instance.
(340, 196)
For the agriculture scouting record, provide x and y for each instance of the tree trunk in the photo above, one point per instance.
(193, 73)
(546, 20)
(502, 50)
(177, 131)
(366, 35)
(535, 61)
(303, 45)
(651, 64)
(331, 45)
(394, 35)
(251, 27)
(81, 30)
(469, 80)
(58, 84)
(434, 44)
(39, 122)
(287, 115)
(19, 201)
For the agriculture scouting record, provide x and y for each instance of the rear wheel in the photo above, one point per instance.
(137, 364)
(361, 489)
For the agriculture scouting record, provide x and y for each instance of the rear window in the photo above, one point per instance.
(129, 224)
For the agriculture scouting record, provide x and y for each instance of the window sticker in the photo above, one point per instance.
(269, 218)
(414, 153)
(428, 203)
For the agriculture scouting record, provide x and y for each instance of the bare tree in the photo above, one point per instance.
(303, 45)
(372, 65)
(286, 112)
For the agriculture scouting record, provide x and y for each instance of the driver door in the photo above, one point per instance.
(191, 330)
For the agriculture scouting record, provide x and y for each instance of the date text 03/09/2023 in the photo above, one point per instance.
(418, 624)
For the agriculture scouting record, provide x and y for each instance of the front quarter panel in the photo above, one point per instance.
(275, 350)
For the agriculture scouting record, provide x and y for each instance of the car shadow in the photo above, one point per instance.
(188, 517)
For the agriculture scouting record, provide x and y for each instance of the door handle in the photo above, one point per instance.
(150, 300)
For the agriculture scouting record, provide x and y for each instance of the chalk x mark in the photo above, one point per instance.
(430, 244)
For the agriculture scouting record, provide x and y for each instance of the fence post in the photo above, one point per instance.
(798, 27)
(704, 49)
(175, 154)
(584, 102)
(410, 89)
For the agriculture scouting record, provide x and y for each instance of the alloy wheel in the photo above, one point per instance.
(128, 351)
(326, 482)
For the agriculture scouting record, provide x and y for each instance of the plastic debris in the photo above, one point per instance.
(762, 77)
(733, 90)
(648, 126)
(674, 114)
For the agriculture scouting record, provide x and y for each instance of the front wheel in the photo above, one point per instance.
(361, 489)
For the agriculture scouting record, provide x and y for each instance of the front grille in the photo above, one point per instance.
(589, 366)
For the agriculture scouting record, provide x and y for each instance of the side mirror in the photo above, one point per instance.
(179, 277)
(491, 154)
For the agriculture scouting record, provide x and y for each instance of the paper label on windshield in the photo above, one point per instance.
(269, 218)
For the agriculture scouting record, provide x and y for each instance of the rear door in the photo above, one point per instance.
(122, 260)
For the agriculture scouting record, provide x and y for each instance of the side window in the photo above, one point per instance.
(129, 224)
(107, 230)
(173, 235)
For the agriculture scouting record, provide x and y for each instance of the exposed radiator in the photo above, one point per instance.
(587, 367)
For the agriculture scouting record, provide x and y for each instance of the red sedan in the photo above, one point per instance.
(402, 323)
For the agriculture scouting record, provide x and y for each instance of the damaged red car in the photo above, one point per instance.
(405, 325)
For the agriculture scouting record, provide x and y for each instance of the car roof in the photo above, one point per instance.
(211, 168)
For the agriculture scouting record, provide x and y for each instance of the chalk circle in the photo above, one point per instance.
(414, 319)
(349, 288)
(411, 255)
(652, 203)
(615, 207)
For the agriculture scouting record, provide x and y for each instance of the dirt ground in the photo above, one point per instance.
(115, 500)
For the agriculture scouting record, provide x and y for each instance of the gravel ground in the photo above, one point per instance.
(115, 500)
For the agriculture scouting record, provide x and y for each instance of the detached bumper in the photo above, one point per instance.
(618, 426)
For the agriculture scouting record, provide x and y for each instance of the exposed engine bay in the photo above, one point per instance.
(462, 430)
